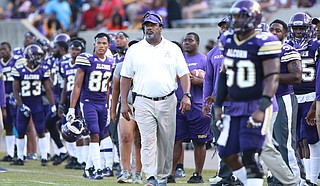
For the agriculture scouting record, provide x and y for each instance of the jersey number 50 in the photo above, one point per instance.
(245, 72)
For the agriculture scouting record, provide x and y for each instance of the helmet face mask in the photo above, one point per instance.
(34, 54)
(301, 30)
(245, 16)
(73, 131)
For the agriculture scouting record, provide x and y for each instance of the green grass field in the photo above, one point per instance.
(32, 174)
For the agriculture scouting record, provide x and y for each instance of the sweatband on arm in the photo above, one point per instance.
(222, 89)
(264, 103)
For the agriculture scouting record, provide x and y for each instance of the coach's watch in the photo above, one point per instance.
(187, 94)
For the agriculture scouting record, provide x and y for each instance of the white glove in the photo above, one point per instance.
(25, 110)
(219, 123)
(70, 115)
(254, 124)
(53, 111)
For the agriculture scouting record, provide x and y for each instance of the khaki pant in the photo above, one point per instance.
(273, 160)
(157, 124)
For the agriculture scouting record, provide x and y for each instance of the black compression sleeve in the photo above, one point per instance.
(222, 89)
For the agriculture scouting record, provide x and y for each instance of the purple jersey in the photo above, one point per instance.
(97, 73)
(288, 54)
(243, 61)
(2, 90)
(68, 71)
(57, 79)
(30, 82)
(194, 62)
(117, 58)
(6, 69)
(309, 61)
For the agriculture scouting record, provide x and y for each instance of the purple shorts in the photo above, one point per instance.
(241, 138)
(193, 126)
(37, 117)
(95, 116)
(306, 131)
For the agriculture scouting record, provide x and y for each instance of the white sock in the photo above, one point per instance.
(314, 162)
(89, 162)
(107, 151)
(255, 181)
(43, 147)
(10, 140)
(116, 157)
(241, 174)
(25, 145)
(71, 148)
(21, 143)
(55, 147)
(307, 167)
(47, 136)
(77, 152)
(94, 151)
(85, 152)
(62, 150)
(80, 155)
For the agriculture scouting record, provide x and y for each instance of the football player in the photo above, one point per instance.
(68, 72)
(250, 76)
(28, 79)
(302, 37)
(60, 53)
(192, 125)
(92, 80)
(7, 63)
(285, 123)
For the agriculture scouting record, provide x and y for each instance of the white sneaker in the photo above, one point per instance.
(215, 179)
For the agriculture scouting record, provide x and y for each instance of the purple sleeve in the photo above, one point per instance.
(317, 81)
(2, 94)
(208, 78)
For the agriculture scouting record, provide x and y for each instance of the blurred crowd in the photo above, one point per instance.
(52, 17)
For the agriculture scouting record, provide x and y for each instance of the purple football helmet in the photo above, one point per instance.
(44, 44)
(33, 53)
(245, 15)
(73, 131)
(62, 38)
(301, 30)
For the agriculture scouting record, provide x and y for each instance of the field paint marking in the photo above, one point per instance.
(41, 172)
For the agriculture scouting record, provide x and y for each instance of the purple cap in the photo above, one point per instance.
(152, 18)
(315, 20)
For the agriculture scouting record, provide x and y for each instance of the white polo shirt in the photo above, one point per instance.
(154, 68)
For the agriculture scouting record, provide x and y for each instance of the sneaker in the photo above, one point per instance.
(88, 173)
(7, 158)
(228, 181)
(171, 179)
(151, 181)
(125, 177)
(48, 156)
(64, 156)
(17, 162)
(98, 175)
(44, 162)
(2, 169)
(79, 166)
(215, 179)
(70, 165)
(137, 178)
(179, 173)
(116, 167)
(195, 178)
(107, 172)
(32, 156)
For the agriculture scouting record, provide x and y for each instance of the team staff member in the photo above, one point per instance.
(154, 64)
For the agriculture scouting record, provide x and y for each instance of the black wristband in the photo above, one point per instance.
(264, 103)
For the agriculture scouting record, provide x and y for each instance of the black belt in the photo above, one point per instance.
(156, 98)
